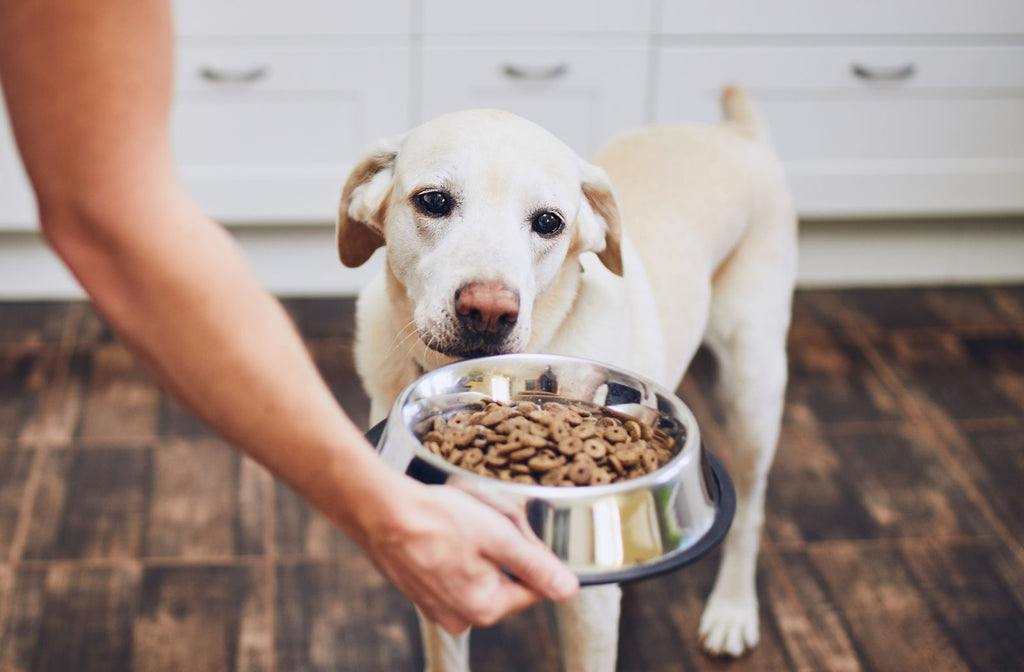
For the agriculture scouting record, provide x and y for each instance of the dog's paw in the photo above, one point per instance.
(729, 627)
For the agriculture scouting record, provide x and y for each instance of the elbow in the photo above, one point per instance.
(68, 232)
(85, 238)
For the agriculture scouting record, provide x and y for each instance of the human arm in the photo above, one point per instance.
(88, 88)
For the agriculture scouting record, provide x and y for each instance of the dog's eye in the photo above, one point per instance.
(547, 224)
(433, 203)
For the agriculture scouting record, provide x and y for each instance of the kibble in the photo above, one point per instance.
(552, 444)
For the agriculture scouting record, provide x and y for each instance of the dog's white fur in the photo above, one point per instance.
(696, 244)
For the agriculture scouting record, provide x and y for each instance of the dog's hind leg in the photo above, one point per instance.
(443, 652)
(589, 628)
(747, 330)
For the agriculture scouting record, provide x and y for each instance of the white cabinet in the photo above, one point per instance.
(17, 205)
(268, 133)
(583, 94)
(537, 17)
(878, 107)
(301, 18)
(850, 17)
(867, 129)
(275, 102)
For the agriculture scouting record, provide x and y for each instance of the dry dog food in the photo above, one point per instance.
(554, 443)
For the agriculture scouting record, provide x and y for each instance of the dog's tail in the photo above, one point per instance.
(738, 109)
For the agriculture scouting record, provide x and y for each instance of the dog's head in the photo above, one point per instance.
(480, 211)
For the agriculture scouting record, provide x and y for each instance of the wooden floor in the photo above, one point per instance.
(130, 538)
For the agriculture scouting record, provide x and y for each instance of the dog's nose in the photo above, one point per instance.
(488, 309)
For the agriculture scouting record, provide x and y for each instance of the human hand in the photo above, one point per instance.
(445, 549)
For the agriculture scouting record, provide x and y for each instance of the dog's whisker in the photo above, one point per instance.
(399, 340)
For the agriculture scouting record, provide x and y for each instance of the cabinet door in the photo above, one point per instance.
(859, 17)
(268, 134)
(583, 95)
(872, 130)
(232, 18)
(17, 204)
(537, 17)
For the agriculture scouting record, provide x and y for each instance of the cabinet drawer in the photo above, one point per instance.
(583, 94)
(536, 17)
(271, 134)
(863, 17)
(936, 130)
(194, 18)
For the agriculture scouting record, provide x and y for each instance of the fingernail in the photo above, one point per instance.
(565, 584)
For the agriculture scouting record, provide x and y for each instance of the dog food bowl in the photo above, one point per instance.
(621, 531)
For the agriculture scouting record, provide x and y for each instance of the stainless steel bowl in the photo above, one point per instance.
(606, 533)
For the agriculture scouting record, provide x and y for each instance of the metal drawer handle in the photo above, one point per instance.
(896, 74)
(221, 76)
(535, 74)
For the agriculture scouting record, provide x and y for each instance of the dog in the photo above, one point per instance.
(499, 238)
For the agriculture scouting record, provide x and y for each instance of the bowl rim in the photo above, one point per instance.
(691, 450)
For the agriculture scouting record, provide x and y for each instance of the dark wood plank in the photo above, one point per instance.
(883, 609)
(966, 377)
(814, 632)
(68, 618)
(890, 308)
(91, 504)
(14, 470)
(809, 496)
(660, 619)
(302, 531)
(32, 322)
(1001, 474)
(93, 329)
(253, 486)
(176, 420)
(326, 317)
(334, 360)
(968, 308)
(6, 586)
(26, 374)
(831, 381)
(523, 641)
(121, 401)
(196, 507)
(1009, 299)
(968, 594)
(342, 615)
(20, 632)
(872, 309)
(202, 619)
(866, 484)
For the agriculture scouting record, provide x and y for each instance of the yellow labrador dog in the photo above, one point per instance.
(501, 239)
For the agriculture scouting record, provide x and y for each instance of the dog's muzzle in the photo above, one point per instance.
(487, 310)
(486, 313)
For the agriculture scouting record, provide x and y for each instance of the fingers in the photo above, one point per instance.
(446, 550)
(512, 599)
(532, 563)
(521, 552)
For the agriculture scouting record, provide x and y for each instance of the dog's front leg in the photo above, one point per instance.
(589, 628)
(751, 390)
(443, 652)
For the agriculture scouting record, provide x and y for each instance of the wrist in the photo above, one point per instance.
(362, 495)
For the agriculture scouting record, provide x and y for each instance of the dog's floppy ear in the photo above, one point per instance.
(363, 205)
(599, 223)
